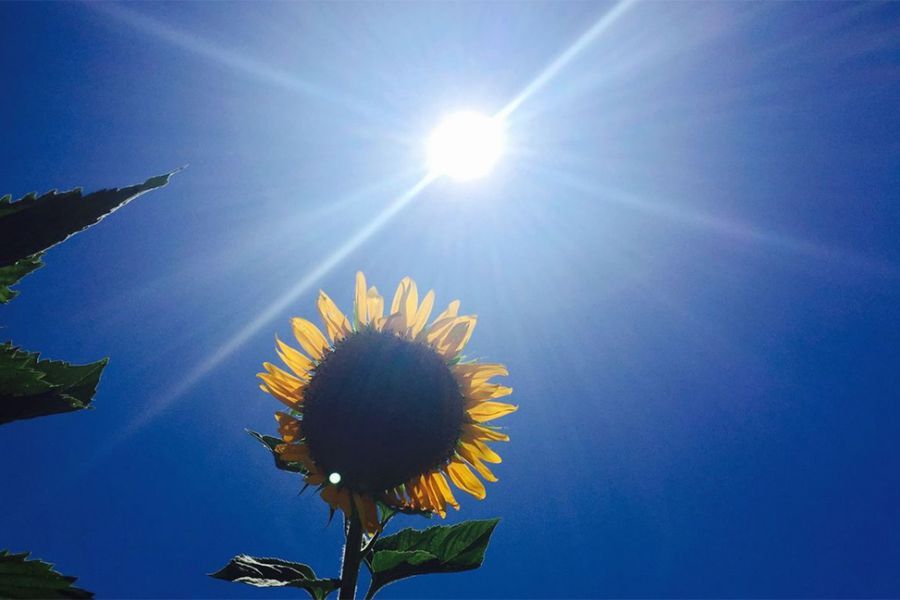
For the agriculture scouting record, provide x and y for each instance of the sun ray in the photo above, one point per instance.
(256, 69)
(730, 228)
(549, 72)
(260, 70)
(268, 315)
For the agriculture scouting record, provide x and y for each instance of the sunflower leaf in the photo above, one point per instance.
(271, 442)
(35, 223)
(22, 578)
(11, 274)
(440, 549)
(275, 572)
(30, 387)
(387, 560)
(389, 511)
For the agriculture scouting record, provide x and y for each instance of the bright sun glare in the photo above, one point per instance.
(465, 145)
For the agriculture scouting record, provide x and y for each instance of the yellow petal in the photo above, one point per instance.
(310, 338)
(395, 323)
(272, 386)
(359, 303)
(437, 330)
(417, 495)
(435, 499)
(294, 453)
(486, 391)
(422, 314)
(483, 432)
(287, 400)
(499, 391)
(411, 303)
(485, 452)
(477, 373)
(464, 479)
(452, 310)
(375, 304)
(427, 500)
(440, 329)
(444, 488)
(291, 396)
(450, 341)
(288, 427)
(488, 411)
(468, 453)
(282, 376)
(298, 362)
(477, 393)
(336, 323)
(458, 337)
(474, 381)
(406, 300)
(284, 387)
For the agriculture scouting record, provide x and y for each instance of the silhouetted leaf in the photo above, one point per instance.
(21, 578)
(33, 224)
(30, 387)
(275, 572)
(389, 511)
(440, 549)
(10, 274)
(271, 442)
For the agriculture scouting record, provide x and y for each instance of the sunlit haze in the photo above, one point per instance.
(676, 223)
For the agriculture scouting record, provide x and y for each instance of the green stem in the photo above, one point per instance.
(352, 557)
(371, 543)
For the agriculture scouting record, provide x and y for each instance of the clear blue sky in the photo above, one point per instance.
(689, 261)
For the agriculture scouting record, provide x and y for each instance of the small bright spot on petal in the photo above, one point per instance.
(334, 478)
(465, 145)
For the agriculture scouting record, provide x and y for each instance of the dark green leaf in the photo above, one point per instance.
(275, 572)
(30, 387)
(389, 511)
(21, 578)
(11, 274)
(33, 224)
(271, 442)
(441, 549)
(388, 560)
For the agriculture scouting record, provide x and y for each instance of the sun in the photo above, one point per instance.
(465, 145)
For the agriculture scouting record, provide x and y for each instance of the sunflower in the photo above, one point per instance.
(387, 411)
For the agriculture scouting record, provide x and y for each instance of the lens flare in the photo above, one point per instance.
(465, 145)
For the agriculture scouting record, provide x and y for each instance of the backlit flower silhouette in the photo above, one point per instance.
(387, 411)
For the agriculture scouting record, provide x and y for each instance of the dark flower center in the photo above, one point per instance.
(379, 410)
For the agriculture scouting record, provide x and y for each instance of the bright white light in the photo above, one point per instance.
(465, 145)
(334, 478)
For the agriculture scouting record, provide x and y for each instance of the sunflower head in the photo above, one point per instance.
(383, 409)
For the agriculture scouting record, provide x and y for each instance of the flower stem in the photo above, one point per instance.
(352, 557)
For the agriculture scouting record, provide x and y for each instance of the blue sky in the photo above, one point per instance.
(688, 259)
